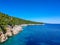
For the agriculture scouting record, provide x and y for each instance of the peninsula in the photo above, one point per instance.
(10, 26)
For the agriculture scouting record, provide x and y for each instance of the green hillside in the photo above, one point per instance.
(9, 20)
(6, 19)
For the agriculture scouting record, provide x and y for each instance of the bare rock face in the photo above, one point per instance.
(16, 29)
(8, 31)
(3, 37)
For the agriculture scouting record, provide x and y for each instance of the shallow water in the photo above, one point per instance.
(48, 34)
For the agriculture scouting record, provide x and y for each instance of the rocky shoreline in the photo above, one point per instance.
(10, 32)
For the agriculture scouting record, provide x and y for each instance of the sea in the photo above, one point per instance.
(48, 34)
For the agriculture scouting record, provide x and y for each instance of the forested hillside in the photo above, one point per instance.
(9, 20)
(6, 19)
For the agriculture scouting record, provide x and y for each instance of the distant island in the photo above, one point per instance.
(11, 26)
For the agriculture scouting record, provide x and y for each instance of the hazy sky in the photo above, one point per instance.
(47, 11)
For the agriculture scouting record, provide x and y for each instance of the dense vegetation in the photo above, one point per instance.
(9, 20)
(6, 19)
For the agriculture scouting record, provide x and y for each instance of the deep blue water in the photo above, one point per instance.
(48, 34)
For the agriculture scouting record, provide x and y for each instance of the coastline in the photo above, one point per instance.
(13, 31)
(31, 24)
(10, 32)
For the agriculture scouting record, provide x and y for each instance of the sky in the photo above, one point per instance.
(47, 11)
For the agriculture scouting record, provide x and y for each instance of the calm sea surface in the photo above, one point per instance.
(48, 34)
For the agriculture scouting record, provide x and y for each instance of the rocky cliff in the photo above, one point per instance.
(10, 32)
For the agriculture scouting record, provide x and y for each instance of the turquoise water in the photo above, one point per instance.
(48, 34)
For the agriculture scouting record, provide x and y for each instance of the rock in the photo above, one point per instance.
(3, 38)
(16, 29)
(8, 31)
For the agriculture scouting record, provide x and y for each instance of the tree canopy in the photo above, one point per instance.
(9, 20)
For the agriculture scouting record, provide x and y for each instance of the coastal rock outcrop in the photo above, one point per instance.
(10, 32)
(3, 37)
(16, 29)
